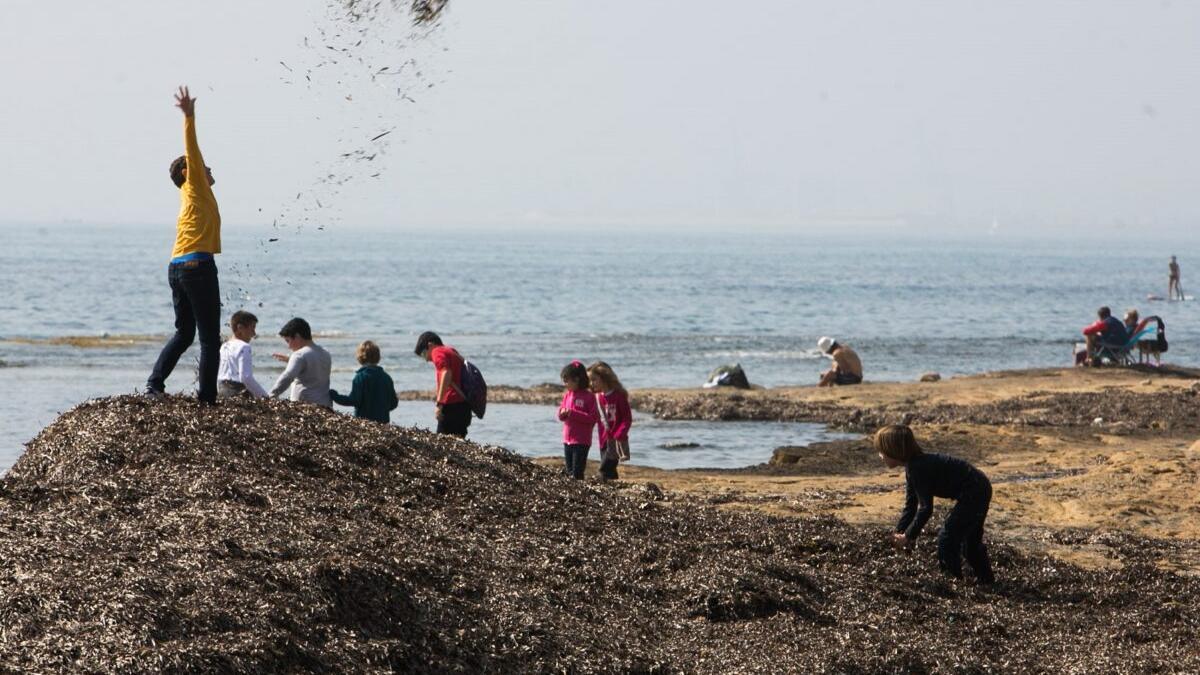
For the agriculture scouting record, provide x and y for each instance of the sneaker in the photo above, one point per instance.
(156, 394)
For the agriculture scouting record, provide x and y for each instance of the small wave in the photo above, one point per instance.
(89, 341)
(804, 354)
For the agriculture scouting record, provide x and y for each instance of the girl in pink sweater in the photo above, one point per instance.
(579, 416)
(615, 418)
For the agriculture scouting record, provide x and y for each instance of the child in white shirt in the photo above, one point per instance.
(235, 375)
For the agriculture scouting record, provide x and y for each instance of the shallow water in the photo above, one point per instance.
(663, 309)
(535, 431)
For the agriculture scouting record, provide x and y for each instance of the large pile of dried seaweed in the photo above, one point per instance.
(271, 537)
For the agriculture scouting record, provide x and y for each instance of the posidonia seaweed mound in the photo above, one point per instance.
(268, 537)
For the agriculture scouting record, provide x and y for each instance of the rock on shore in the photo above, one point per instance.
(270, 537)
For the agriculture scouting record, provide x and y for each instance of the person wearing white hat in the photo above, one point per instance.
(847, 367)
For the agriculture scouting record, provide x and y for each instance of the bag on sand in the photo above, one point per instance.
(474, 388)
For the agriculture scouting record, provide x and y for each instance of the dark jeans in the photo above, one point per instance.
(196, 296)
(608, 468)
(456, 417)
(227, 389)
(576, 456)
(963, 532)
(847, 378)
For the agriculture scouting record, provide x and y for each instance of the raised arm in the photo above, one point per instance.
(197, 172)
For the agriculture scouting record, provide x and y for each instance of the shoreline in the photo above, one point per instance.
(1073, 454)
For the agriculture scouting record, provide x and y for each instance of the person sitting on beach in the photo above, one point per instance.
(192, 272)
(1106, 333)
(453, 412)
(307, 371)
(1130, 320)
(847, 368)
(933, 475)
(235, 376)
(372, 394)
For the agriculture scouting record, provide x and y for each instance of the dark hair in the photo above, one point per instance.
(297, 327)
(242, 318)
(1104, 312)
(177, 168)
(576, 372)
(427, 339)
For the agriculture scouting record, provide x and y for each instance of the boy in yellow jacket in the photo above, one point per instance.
(192, 273)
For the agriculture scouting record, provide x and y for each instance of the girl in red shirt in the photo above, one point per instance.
(579, 417)
(615, 418)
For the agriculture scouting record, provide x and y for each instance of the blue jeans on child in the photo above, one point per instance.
(576, 456)
(196, 296)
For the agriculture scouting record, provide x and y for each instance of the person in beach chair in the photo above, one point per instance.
(1148, 336)
(1105, 341)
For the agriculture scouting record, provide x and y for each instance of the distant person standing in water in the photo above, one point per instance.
(847, 368)
(192, 273)
(453, 412)
(1174, 290)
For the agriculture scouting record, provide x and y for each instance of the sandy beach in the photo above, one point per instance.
(1073, 453)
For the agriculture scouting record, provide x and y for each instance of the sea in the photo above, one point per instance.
(84, 310)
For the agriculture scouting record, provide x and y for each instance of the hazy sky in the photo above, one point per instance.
(785, 114)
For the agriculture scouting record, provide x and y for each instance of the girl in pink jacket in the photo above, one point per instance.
(615, 418)
(579, 417)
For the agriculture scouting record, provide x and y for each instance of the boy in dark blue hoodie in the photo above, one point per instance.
(373, 394)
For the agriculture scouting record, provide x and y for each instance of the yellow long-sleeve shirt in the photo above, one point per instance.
(199, 228)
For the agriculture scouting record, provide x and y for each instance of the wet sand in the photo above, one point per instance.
(1061, 475)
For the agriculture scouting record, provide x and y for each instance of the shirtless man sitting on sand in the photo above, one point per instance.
(847, 368)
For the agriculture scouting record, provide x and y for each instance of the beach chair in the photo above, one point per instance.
(1150, 339)
(1123, 354)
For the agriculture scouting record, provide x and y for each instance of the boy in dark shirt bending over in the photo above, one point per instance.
(932, 475)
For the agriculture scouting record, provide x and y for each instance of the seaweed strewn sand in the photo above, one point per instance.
(268, 537)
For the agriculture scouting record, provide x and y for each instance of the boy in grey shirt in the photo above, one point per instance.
(307, 371)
